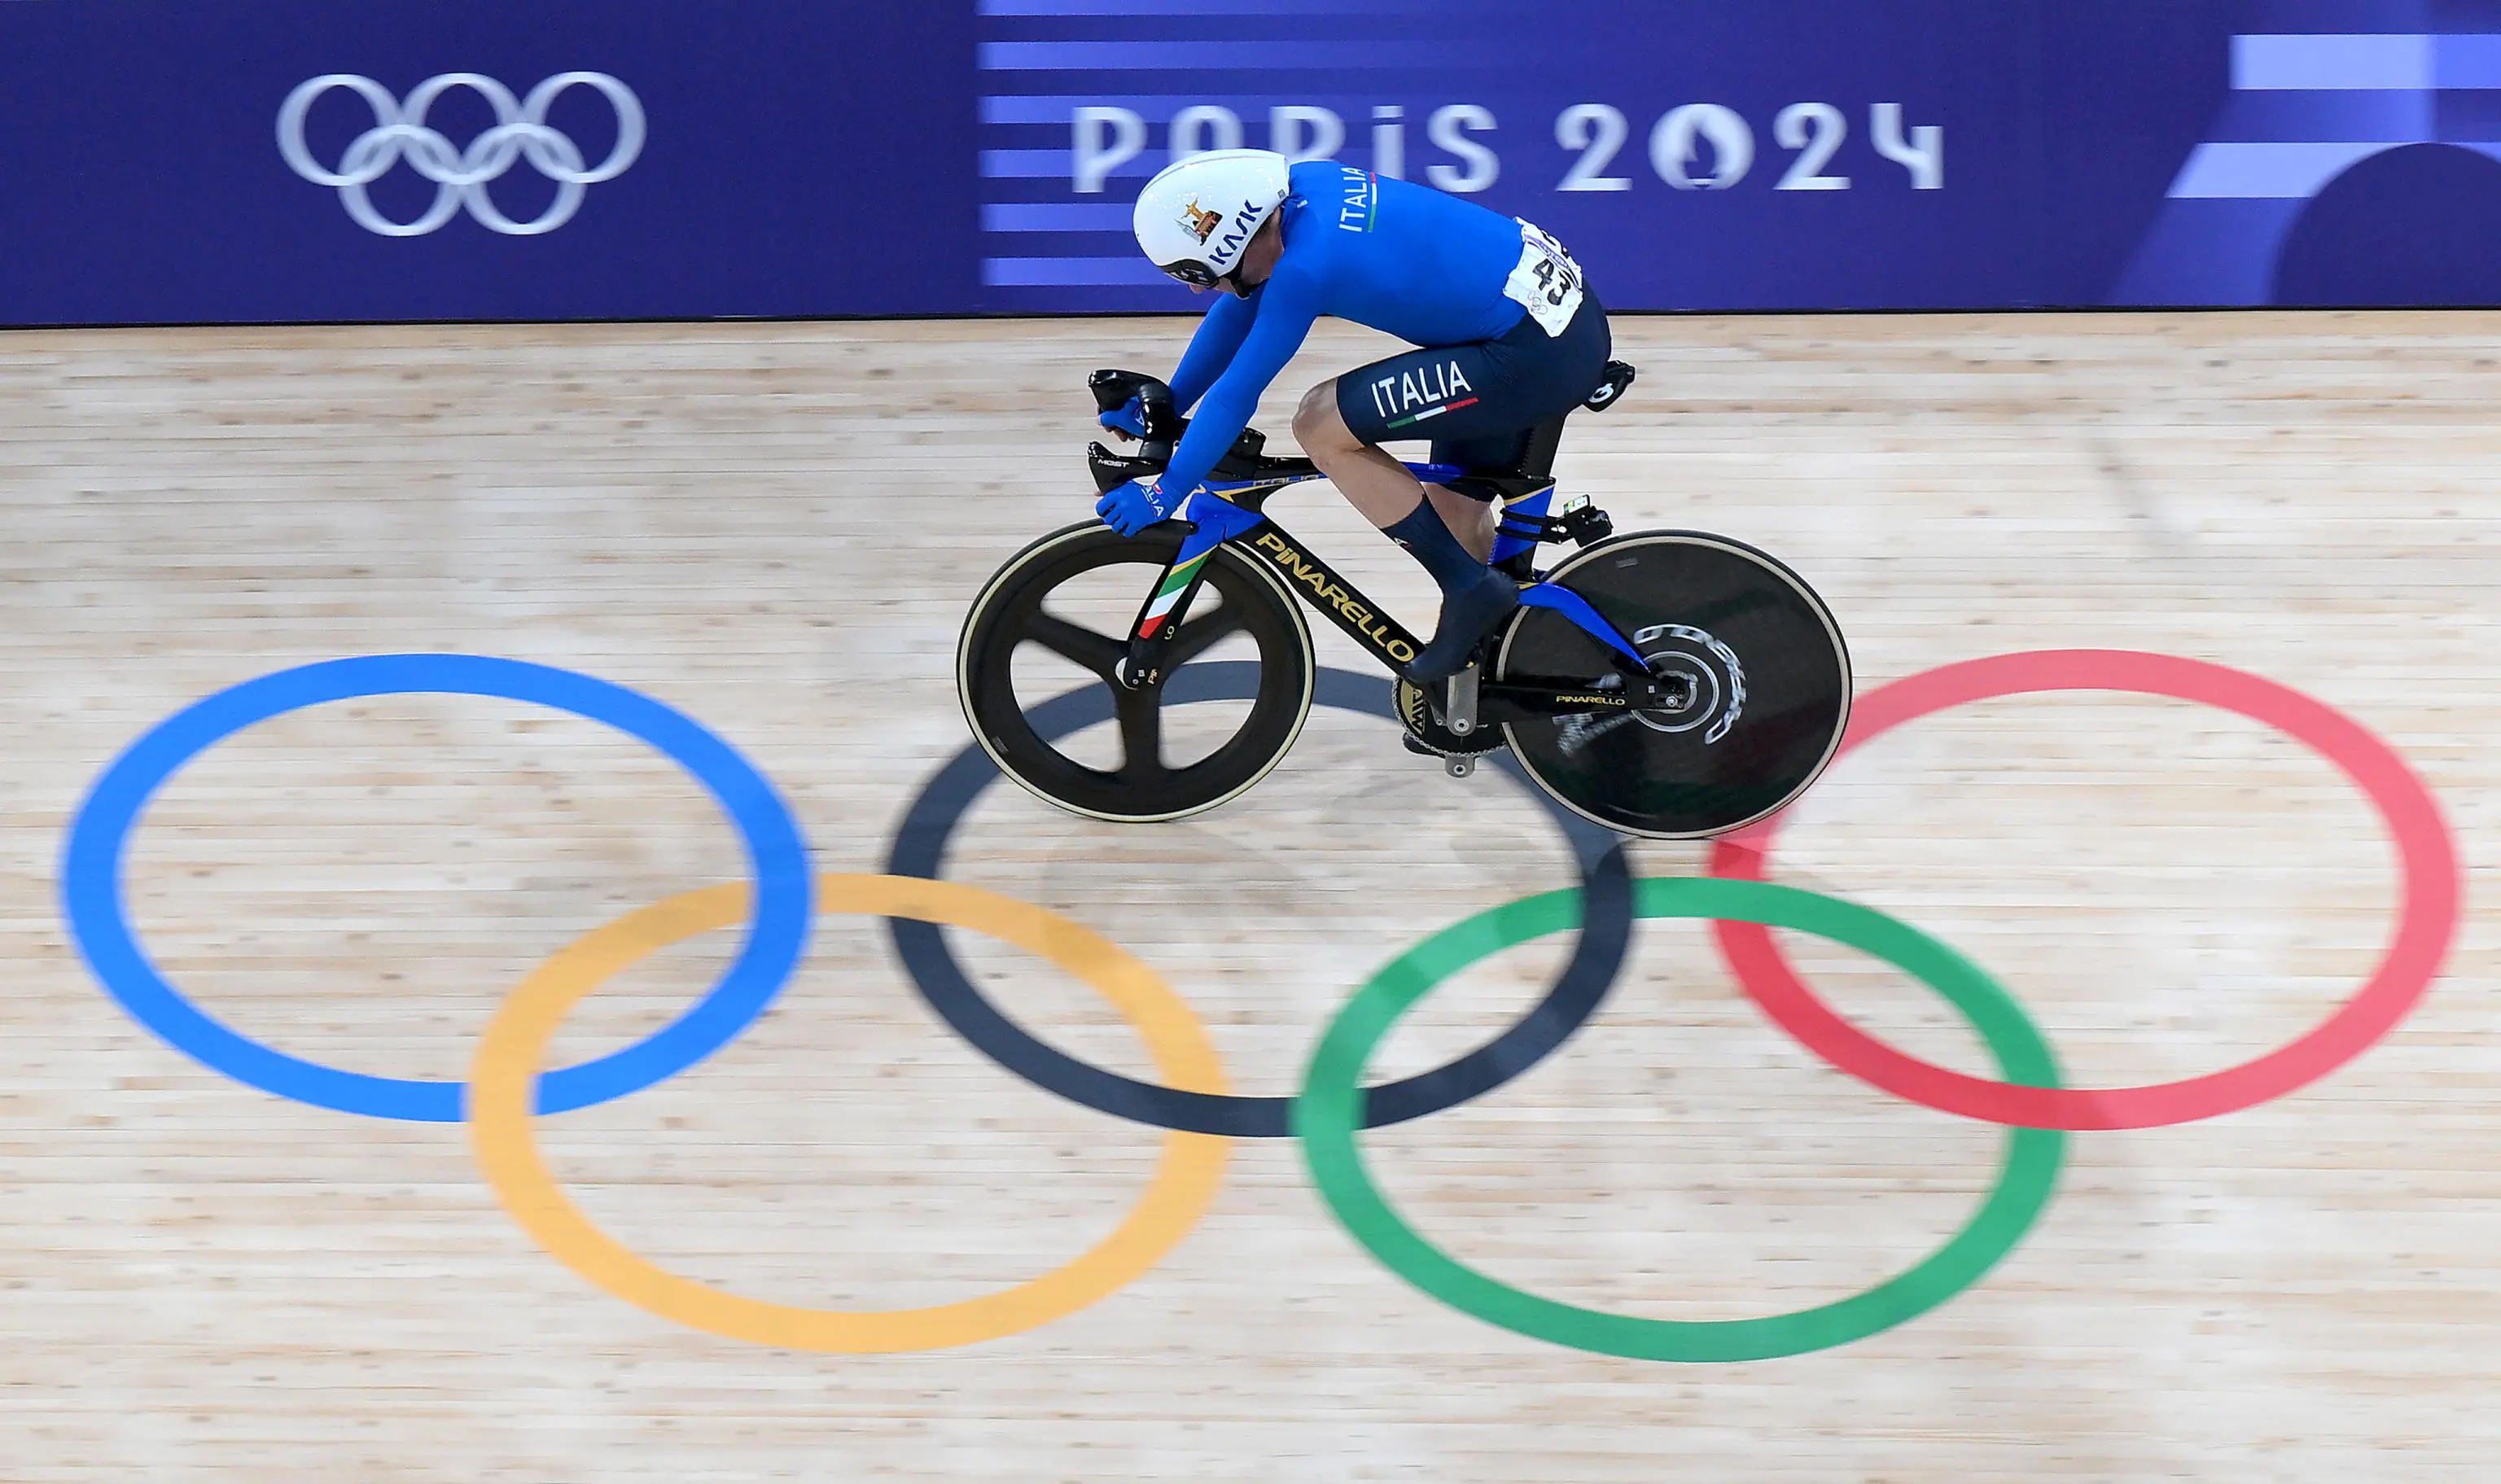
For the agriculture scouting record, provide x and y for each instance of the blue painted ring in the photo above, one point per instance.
(91, 895)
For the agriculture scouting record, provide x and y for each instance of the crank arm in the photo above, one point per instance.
(1460, 710)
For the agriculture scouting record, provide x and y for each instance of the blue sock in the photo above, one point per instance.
(1474, 596)
(1433, 547)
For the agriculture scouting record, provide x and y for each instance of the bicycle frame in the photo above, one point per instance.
(1381, 635)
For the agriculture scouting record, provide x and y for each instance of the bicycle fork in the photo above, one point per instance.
(1160, 616)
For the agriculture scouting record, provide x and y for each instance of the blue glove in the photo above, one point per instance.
(1131, 508)
(1128, 418)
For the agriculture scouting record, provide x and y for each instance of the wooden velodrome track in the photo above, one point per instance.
(775, 529)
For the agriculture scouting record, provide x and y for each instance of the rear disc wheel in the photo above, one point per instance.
(1759, 662)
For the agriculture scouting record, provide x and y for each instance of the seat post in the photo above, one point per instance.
(1526, 492)
(1537, 460)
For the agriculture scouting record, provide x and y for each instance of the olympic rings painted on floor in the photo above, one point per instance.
(99, 837)
(1186, 1179)
(2428, 917)
(1192, 1103)
(920, 850)
(1325, 1117)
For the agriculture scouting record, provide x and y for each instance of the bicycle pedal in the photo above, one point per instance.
(1459, 767)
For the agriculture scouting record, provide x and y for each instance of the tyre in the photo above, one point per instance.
(1767, 673)
(1068, 599)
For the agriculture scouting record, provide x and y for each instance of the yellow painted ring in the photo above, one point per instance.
(515, 1042)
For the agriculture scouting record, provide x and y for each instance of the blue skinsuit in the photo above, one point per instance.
(1401, 258)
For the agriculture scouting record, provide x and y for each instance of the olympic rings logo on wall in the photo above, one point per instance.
(461, 177)
(1192, 1102)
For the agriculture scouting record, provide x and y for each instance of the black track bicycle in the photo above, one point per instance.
(1670, 684)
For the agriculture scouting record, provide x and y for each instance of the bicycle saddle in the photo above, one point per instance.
(1620, 376)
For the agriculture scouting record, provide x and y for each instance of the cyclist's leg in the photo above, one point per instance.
(1476, 403)
(1378, 485)
(1373, 481)
(1470, 516)
(1474, 596)
(1464, 396)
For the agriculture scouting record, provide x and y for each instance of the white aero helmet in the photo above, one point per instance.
(1197, 214)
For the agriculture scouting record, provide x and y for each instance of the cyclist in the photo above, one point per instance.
(1509, 337)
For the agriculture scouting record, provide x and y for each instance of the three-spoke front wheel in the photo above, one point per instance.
(1059, 614)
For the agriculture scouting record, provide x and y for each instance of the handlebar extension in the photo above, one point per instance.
(1113, 390)
(1165, 426)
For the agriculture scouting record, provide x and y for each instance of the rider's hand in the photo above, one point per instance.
(1131, 508)
(1128, 419)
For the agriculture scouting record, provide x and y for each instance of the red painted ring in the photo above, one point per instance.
(2427, 919)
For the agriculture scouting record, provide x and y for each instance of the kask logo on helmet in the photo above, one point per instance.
(1244, 222)
(461, 177)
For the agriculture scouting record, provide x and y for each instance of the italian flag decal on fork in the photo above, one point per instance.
(1176, 582)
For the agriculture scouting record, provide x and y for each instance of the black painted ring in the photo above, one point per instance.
(920, 850)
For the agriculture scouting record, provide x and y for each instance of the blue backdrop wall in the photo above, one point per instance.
(267, 160)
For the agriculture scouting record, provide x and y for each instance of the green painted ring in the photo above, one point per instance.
(1331, 1109)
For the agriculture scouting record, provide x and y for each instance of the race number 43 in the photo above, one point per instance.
(1547, 282)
